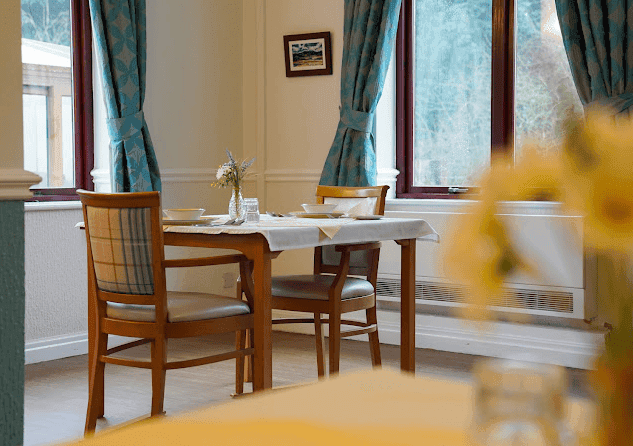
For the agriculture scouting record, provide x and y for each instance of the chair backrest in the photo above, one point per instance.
(368, 200)
(125, 247)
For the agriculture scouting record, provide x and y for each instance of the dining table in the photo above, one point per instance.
(400, 409)
(263, 241)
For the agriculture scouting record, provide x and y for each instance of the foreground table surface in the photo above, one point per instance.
(372, 408)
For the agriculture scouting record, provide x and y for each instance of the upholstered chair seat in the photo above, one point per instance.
(316, 286)
(181, 307)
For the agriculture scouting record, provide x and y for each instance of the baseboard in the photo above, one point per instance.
(48, 349)
(561, 346)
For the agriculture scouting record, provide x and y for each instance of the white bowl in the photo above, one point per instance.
(319, 208)
(183, 214)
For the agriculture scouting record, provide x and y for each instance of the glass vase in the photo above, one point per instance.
(236, 204)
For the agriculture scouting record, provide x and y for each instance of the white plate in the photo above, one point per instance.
(183, 214)
(317, 215)
(368, 217)
(204, 220)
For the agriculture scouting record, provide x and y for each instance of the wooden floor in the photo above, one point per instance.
(56, 392)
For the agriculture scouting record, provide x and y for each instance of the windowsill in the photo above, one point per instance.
(460, 206)
(32, 206)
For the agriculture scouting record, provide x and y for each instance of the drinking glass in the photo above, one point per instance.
(252, 210)
(519, 403)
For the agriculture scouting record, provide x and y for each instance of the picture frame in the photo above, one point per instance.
(308, 54)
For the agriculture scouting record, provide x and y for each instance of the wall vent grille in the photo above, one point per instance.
(524, 299)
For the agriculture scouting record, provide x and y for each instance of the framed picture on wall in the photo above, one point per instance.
(308, 54)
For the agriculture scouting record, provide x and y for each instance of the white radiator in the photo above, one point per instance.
(528, 299)
(564, 288)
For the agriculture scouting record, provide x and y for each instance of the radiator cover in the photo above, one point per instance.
(531, 299)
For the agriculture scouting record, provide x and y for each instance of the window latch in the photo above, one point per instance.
(457, 190)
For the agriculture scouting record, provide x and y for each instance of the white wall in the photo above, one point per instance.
(55, 281)
(193, 104)
(294, 119)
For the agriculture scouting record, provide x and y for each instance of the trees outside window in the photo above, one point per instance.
(466, 88)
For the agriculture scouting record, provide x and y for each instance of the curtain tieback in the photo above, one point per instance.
(122, 129)
(618, 104)
(357, 120)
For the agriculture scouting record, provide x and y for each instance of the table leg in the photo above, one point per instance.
(262, 364)
(407, 309)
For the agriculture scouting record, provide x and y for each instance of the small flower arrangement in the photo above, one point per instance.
(232, 173)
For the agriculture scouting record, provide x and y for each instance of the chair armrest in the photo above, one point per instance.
(204, 261)
(359, 247)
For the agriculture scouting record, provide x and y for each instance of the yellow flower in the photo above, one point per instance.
(480, 253)
(538, 177)
(598, 160)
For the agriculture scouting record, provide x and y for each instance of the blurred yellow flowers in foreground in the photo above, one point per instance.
(481, 253)
(598, 169)
(591, 174)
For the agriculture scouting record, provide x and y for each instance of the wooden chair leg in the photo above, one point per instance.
(320, 341)
(248, 361)
(374, 342)
(96, 384)
(159, 358)
(101, 411)
(240, 342)
(335, 341)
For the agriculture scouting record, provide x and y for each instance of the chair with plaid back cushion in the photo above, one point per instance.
(126, 274)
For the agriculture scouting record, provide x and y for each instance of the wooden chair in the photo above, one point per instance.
(126, 274)
(331, 290)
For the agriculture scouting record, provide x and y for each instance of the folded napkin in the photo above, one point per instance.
(330, 227)
(354, 207)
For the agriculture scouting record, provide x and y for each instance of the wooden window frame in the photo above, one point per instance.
(502, 97)
(83, 119)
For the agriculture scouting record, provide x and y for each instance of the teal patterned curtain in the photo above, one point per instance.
(598, 38)
(369, 31)
(120, 40)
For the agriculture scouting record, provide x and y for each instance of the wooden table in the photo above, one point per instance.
(399, 409)
(255, 243)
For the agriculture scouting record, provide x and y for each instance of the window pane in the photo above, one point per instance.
(452, 91)
(46, 58)
(68, 149)
(544, 88)
(36, 136)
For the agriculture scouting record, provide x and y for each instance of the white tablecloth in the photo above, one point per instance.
(285, 233)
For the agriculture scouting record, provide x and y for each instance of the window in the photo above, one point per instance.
(57, 96)
(474, 78)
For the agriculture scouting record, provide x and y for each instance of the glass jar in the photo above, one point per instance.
(251, 206)
(519, 403)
